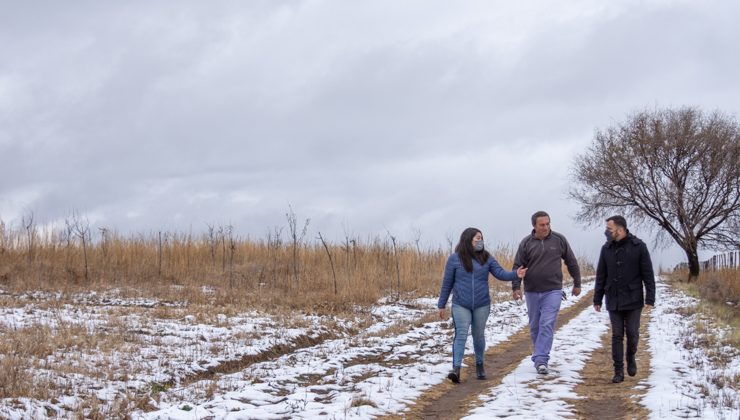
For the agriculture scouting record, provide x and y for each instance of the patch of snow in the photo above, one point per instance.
(679, 377)
(526, 394)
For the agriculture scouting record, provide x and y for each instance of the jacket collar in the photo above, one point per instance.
(623, 241)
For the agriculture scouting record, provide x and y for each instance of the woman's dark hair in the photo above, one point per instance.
(466, 252)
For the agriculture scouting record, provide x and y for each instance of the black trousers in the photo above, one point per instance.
(624, 322)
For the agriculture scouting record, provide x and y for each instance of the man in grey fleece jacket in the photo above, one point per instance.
(541, 253)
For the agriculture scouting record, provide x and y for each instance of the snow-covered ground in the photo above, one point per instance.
(525, 394)
(684, 379)
(357, 377)
(680, 383)
(378, 363)
(140, 346)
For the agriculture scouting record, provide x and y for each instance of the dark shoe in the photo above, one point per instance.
(480, 372)
(454, 376)
(618, 377)
(542, 369)
(631, 365)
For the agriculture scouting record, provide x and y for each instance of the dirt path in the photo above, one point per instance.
(271, 353)
(449, 401)
(600, 397)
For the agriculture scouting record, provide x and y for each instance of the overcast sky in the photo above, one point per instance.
(366, 117)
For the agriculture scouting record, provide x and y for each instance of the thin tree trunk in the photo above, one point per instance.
(693, 259)
(159, 255)
(331, 262)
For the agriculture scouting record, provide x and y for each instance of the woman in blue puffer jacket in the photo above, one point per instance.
(466, 277)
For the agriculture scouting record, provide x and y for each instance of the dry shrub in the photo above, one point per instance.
(360, 400)
(19, 350)
(719, 305)
(722, 286)
(22, 349)
(15, 379)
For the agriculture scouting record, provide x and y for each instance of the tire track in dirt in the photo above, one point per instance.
(448, 401)
(602, 399)
(296, 344)
(271, 353)
(372, 352)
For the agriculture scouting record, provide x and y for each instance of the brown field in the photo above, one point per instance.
(276, 271)
(205, 276)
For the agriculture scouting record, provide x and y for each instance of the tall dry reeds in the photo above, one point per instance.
(280, 269)
(286, 268)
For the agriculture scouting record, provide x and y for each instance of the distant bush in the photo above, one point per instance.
(721, 287)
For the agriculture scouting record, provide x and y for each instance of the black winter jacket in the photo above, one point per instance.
(624, 267)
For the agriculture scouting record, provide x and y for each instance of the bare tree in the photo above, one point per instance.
(159, 252)
(81, 229)
(331, 262)
(104, 240)
(222, 238)
(450, 243)
(296, 237)
(274, 243)
(674, 169)
(68, 239)
(350, 253)
(3, 237)
(29, 225)
(231, 247)
(189, 244)
(397, 264)
(212, 242)
(416, 232)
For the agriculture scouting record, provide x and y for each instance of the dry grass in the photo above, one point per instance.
(238, 271)
(719, 295)
(205, 276)
(218, 269)
(719, 306)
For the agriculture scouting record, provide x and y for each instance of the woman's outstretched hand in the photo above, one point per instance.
(520, 272)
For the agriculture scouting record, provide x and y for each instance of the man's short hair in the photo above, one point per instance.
(537, 215)
(619, 221)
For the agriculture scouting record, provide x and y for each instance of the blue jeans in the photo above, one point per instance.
(542, 308)
(464, 318)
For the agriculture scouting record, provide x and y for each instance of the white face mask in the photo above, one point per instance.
(478, 245)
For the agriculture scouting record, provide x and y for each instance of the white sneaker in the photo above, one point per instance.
(542, 369)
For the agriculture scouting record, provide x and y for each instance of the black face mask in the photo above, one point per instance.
(608, 235)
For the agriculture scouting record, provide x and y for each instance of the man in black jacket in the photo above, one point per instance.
(624, 267)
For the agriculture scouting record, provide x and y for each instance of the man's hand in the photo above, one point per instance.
(648, 307)
(442, 314)
(597, 308)
(517, 295)
(576, 291)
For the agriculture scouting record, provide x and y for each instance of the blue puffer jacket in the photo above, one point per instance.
(470, 290)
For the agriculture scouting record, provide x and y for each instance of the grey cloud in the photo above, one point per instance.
(174, 114)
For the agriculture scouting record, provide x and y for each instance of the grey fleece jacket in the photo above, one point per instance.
(542, 258)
